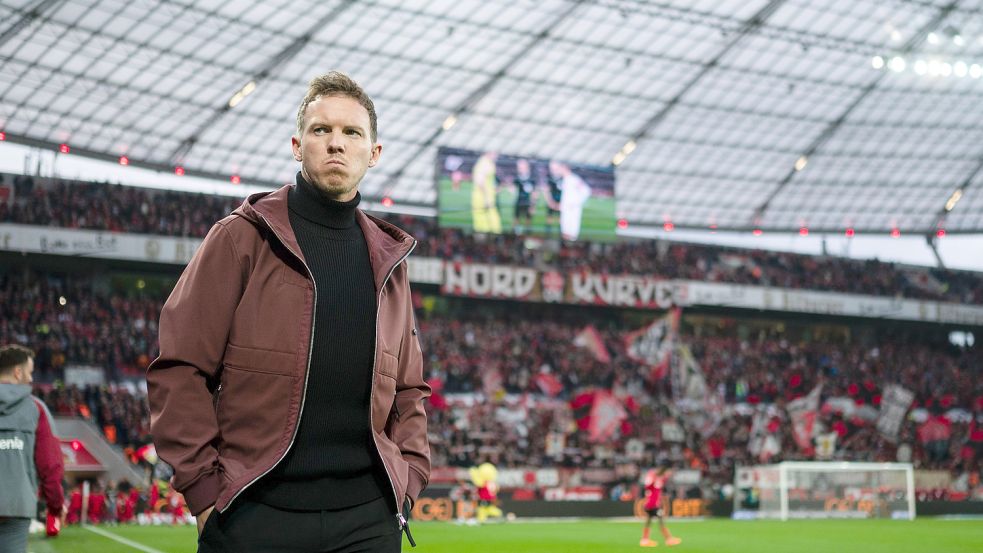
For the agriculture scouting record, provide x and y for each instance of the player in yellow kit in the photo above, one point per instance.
(484, 209)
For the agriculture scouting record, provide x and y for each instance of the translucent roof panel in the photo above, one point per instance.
(967, 213)
(733, 113)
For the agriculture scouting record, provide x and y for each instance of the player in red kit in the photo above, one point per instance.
(655, 481)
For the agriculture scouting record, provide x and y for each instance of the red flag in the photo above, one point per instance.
(803, 412)
(549, 384)
(606, 415)
(437, 399)
(762, 442)
(581, 405)
(591, 339)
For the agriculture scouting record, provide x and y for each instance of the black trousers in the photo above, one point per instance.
(251, 527)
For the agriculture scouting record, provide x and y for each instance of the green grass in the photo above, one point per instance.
(598, 222)
(597, 536)
(74, 539)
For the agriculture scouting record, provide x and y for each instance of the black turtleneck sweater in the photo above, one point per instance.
(333, 463)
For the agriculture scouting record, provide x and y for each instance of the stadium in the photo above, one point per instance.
(694, 275)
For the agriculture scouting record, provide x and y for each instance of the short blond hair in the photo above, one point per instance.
(336, 83)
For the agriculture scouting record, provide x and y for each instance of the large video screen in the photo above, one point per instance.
(492, 192)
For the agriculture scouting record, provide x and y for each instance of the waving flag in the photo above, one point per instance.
(652, 345)
(700, 407)
(548, 384)
(606, 416)
(894, 404)
(803, 412)
(590, 339)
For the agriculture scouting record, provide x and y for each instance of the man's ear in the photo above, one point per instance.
(295, 146)
(376, 152)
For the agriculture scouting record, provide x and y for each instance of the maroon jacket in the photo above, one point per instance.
(49, 461)
(242, 315)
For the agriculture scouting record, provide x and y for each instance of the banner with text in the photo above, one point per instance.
(645, 292)
(102, 245)
(523, 283)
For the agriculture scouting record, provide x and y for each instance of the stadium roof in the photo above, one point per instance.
(737, 113)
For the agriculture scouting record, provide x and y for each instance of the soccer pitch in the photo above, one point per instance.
(598, 221)
(597, 536)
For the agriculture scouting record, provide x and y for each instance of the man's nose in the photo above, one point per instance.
(335, 143)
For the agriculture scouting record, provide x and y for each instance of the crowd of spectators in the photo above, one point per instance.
(120, 412)
(70, 204)
(461, 353)
(767, 369)
(78, 205)
(72, 320)
(506, 379)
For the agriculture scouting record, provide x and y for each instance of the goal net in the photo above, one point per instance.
(825, 490)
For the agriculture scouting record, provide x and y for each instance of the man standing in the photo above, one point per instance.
(525, 196)
(552, 193)
(575, 193)
(484, 194)
(288, 395)
(655, 482)
(29, 452)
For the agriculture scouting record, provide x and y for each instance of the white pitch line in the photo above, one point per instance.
(122, 540)
(554, 520)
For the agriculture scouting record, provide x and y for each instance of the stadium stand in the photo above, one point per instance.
(68, 319)
(78, 205)
(772, 364)
(509, 386)
(81, 205)
(597, 189)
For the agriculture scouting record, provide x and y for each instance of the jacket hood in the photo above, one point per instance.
(386, 242)
(12, 396)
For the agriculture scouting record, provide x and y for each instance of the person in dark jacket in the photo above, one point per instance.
(29, 452)
(288, 394)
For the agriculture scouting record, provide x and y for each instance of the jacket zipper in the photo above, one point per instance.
(401, 520)
(404, 525)
(218, 396)
(310, 351)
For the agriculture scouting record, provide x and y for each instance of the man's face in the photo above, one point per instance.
(25, 373)
(556, 169)
(336, 147)
(522, 166)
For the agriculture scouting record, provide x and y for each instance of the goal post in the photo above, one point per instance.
(797, 490)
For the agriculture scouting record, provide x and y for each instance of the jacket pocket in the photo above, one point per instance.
(383, 400)
(388, 365)
(254, 418)
(260, 360)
